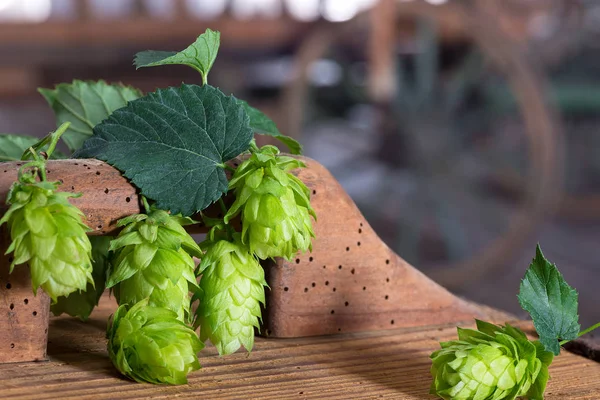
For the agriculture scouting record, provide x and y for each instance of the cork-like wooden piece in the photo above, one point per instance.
(23, 316)
(350, 282)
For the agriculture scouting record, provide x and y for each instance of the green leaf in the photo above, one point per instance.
(265, 126)
(12, 147)
(200, 55)
(550, 301)
(85, 104)
(173, 145)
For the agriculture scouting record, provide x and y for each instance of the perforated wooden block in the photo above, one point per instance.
(23, 316)
(350, 282)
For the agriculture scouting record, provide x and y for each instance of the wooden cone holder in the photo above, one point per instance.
(350, 282)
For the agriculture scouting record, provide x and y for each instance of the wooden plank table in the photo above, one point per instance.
(391, 364)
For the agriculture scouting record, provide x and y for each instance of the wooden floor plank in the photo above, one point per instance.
(391, 364)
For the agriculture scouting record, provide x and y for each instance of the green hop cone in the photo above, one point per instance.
(150, 344)
(153, 259)
(47, 232)
(275, 205)
(81, 304)
(231, 290)
(493, 362)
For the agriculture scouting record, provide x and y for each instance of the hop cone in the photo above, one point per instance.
(81, 304)
(153, 260)
(493, 362)
(275, 205)
(47, 232)
(231, 290)
(150, 344)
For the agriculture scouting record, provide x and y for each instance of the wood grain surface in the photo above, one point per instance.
(390, 364)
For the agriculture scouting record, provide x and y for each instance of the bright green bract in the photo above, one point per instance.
(551, 302)
(275, 205)
(231, 292)
(85, 104)
(153, 259)
(173, 143)
(48, 234)
(81, 304)
(149, 344)
(492, 362)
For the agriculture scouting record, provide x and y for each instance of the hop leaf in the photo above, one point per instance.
(275, 205)
(153, 260)
(81, 304)
(492, 362)
(550, 301)
(150, 344)
(48, 234)
(231, 290)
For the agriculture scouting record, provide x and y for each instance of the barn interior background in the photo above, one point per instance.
(413, 111)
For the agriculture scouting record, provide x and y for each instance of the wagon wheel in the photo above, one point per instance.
(538, 145)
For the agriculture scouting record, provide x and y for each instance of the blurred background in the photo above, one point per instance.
(465, 130)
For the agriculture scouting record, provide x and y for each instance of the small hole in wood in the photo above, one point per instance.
(392, 322)
(12, 345)
(285, 289)
(324, 266)
(97, 172)
(358, 243)
(5, 171)
(72, 187)
(89, 167)
(387, 279)
(26, 301)
(334, 289)
(34, 313)
(326, 283)
(85, 165)
(12, 306)
(364, 288)
(127, 199)
(347, 248)
(235, 164)
(339, 329)
(106, 191)
(46, 330)
(300, 392)
(359, 230)
(314, 192)
(61, 181)
(99, 226)
(297, 261)
(387, 297)
(387, 261)
(310, 259)
(75, 163)
(313, 284)
(332, 311)
(48, 171)
(361, 224)
(339, 267)
(346, 304)
(8, 285)
(352, 271)
(305, 289)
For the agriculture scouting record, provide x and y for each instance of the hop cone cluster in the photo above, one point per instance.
(48, 233)
(231, 290)
(81, 304)
(275, 205)
(491, 363)
(150, 344)
(153, 259)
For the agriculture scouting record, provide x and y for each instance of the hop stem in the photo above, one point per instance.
(583, 332)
